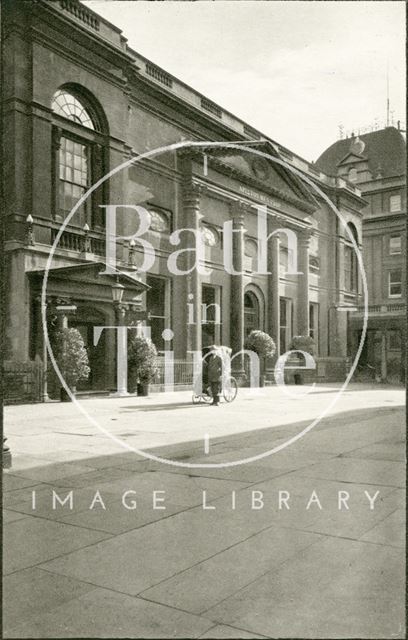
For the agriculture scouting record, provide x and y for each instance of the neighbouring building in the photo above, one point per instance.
(376, 163)
(77, 102)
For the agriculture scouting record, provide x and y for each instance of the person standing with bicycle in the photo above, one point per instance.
(214, 375)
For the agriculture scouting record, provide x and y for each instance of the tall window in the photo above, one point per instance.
(74, 178)
(352, 175)
(211, 315)
(395, 283)
(156, 303)
(251, 313)
(314, 322)
(285, 324)
(79, 159)
(350, 269)
(395, 203)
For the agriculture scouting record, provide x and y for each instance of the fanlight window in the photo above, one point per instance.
(210, 236)
(158, 221)
(68, 106)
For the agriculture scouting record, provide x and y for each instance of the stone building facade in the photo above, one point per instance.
(376, 163)
(78, 102)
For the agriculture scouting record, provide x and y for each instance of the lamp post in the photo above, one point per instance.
(87, 242)
(132, 257)
(120, 311)
(30, 230)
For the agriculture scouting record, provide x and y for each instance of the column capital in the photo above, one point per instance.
(191, 193)
(238, 209)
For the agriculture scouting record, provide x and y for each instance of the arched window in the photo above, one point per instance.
(352, 175)
(251, 312)
(159, 221)
(68, 106)
(210, 236)
(80, 155)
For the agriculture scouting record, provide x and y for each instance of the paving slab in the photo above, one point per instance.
(335, 589)
(12, 482)
(356, 470)
(52, 539)
(33, 592)
(221, 632)
(379, 451)
(11, 516)
(134, 561)
(51, 472)
(207, 583)
(389, 531)
(323, 515)
(111, 615)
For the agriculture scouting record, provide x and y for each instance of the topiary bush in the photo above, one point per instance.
(71, 356)
(261, 343)
(303, 343)
(142, 358)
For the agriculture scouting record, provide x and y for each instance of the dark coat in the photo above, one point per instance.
(214, 369)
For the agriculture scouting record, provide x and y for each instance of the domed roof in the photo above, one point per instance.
(386, 147)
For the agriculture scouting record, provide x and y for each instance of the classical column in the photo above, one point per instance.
(41, 347)
(273, 318)
(237, 287)
(192, 216)
(121, 352)
(303, 328)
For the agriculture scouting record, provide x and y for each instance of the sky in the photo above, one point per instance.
(293, 70)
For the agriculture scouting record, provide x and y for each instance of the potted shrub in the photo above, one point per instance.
(72, 359)
(142, 364)
(263, 345)
(302, 343)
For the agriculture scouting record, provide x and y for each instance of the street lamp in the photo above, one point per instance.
(120, 312)
(30, 230)
(117, 291)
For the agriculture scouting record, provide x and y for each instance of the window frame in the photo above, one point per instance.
(87, 206)
(167, 311)
(395, 253)
(399, 205)
(395, 283)
(217, 300)
(288, 326)
(97, 142)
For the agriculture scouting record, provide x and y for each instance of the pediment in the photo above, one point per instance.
(351, 158)
(266, 172)
(92, 273)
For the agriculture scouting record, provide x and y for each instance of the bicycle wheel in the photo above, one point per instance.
(230, 390)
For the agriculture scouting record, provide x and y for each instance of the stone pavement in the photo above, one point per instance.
(240, 568)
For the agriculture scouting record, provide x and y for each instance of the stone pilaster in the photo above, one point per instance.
(273, 316)
(303, 327)
(238, 210)
(192, 216)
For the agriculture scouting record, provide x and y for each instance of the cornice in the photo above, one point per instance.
(193, 113)
(80, 60)
(55, 19)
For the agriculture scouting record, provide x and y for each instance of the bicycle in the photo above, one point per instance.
(229, 390)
